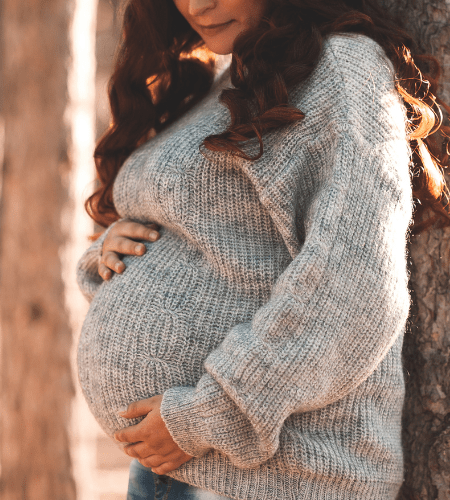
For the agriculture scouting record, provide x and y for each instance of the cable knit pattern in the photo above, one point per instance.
(271, 311)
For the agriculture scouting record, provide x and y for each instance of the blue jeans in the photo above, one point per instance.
(146, 485)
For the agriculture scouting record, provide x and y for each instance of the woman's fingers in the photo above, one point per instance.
(142, 450)
(104, 272)
(152, 462)
(162, 464)
(133, 434)
(153, 456)
(122, 240)
(166, 468)
(169, 464)
(150, 441)
(123, 245)
(136, 231)
(141, 408)
(111, 260)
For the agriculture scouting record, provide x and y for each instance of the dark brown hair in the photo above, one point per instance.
(157, 78)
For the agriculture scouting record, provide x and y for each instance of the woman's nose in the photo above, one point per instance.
(199, 7)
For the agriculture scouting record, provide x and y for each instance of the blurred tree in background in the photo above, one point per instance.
(37, 385)
(35, 373)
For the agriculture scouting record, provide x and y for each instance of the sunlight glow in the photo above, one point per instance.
(81, 119)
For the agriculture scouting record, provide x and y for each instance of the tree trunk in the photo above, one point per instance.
(36, 337)
(427, 343)
(426, 415)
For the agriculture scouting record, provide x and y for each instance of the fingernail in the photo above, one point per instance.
(153, 235)
(122, 409)
(139, 248)
(118, 266)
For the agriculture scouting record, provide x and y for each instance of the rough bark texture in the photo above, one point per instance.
(427, 409)
(428, 21)
(427, 345)
(36, 338)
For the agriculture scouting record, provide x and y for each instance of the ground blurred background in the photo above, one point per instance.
(55, 60)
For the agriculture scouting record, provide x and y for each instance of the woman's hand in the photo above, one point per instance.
(121, 240)
(152, 443)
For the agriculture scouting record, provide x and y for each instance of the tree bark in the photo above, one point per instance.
(427, 408)
(36, 337)
(427, 342)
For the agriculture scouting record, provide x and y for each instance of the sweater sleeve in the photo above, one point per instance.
(332, 316)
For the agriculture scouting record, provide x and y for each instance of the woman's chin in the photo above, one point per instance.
(220, 45)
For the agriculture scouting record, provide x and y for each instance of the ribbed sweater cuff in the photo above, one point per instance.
(183, 420)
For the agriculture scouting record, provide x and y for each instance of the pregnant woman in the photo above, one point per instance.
(248, 344)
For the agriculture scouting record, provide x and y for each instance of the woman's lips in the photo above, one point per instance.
(214, 29)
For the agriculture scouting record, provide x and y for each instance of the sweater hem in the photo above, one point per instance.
(215, 473)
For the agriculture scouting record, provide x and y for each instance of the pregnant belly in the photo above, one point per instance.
(151, 329)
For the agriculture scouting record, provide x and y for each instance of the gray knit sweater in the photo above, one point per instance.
(271, 311)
